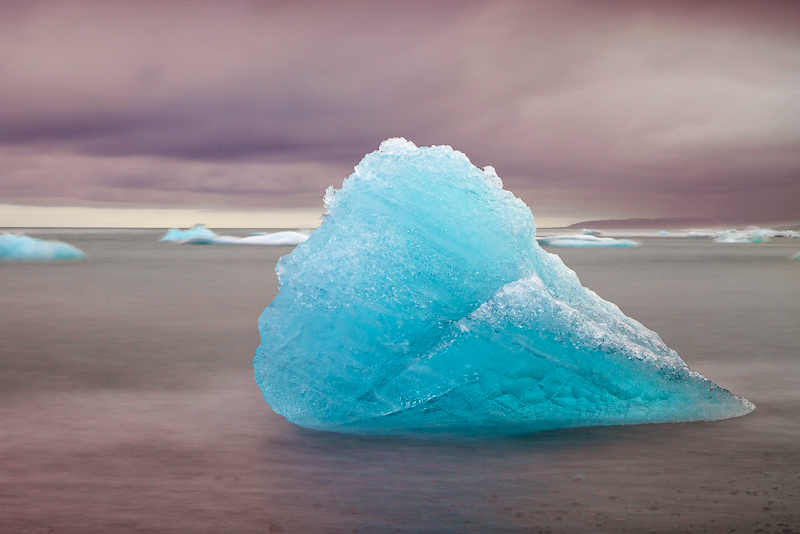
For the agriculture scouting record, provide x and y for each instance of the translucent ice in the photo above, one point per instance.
(583, 240)
(423, 303)
(663, 233)
(198, 230)
(23, 248)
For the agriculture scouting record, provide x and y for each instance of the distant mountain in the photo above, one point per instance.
(662, 222)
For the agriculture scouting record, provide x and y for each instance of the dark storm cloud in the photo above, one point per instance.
(602, 109)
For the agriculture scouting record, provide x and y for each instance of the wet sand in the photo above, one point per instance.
(127, 404)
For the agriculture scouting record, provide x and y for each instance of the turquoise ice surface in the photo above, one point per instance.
(424, 304)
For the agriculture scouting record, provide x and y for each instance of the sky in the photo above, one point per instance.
(587, 110)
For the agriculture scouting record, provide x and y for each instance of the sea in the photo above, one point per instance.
(128, 405)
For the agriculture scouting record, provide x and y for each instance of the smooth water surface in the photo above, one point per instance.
(127, 404)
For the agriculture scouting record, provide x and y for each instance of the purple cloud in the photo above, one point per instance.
(596, 110)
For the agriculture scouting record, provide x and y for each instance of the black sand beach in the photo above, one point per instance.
(127, 404)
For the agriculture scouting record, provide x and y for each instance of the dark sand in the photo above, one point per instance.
(127, 404)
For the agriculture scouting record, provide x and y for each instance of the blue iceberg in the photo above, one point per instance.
(23, 248)
(198, 230)
(423, 303)
(663, 233)
(584, 240)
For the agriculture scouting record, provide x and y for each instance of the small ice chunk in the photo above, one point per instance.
(751, 234)
(596, 233)
(14, 247)
(663, 233)
(423, 303)
(490, 175)
(276, 238)
(200, 235)
(198, 230)
(701, 233)
(581, 240)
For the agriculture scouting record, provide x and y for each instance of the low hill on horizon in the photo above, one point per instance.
(661, 222)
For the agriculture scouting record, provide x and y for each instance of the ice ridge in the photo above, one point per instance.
(423, 303)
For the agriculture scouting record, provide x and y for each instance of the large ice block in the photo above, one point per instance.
(423, 303)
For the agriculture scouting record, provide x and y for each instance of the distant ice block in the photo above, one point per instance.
(585, 241)
(198, 230)
(751, 234)
(423, 303)
(15, 247)
(200, 235)
(698, 233)
(663, 233)
(276, 238)
(597, 233)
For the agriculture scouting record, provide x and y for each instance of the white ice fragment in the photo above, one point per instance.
(490, 177)
(276, 238)
(396, 146)
(581, 240)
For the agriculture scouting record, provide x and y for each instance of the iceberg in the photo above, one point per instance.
(700, 233)
(277, 238)
(587, 231)
(23, 248)
(200, 235)
(423, 304)
(751, 234)
(583, 240)
(198, 230)
(663, 233)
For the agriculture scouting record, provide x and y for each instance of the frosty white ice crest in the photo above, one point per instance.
(423, 303)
